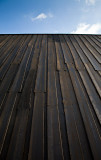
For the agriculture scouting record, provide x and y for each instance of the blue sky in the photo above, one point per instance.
(55, 16)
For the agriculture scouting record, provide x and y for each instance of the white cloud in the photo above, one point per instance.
(42, 16)
(84, 28)
(90, 2)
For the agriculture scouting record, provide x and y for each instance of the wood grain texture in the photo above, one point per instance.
(50, 97)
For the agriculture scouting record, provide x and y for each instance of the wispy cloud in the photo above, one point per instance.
(90, 2)
(84, 28)
(41, 16)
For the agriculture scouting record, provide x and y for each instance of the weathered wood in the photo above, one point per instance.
(50, 97)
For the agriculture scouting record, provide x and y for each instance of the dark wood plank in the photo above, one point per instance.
(93, 99)
(93, 51)
(8, 52)
(22, 119)
(66, 51)
(90, 57)
(62, 120)
(55, 150)
(41, 74)
(50, 97)
(86, 114)
(2, 37)
(82, 65)
(60, 61)
(79, 147)
(77, 60)
(10, 59)
(97, 42)
(11, 74)
(18, 83)
(3, 43)
(6, 117)
(93, 43)
(37, 129)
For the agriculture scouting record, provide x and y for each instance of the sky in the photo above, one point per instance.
(50, 16)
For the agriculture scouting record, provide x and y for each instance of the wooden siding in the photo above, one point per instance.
(50, 97)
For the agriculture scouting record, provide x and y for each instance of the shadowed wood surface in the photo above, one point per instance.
(50, 97)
